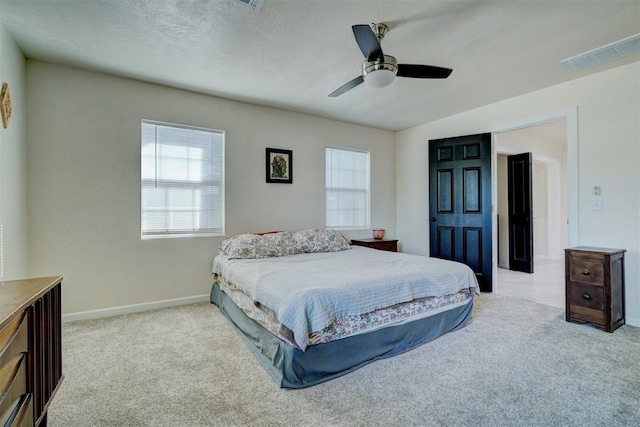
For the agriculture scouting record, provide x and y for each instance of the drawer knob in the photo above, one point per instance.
(586, 272)
(586, 296)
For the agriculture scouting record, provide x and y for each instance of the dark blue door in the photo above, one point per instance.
(520, 213)
(460, 203)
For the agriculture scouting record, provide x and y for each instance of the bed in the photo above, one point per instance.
(311, 307)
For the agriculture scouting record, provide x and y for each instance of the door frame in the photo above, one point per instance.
(570, 115)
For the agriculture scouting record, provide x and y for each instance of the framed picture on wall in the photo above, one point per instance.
(279, 166)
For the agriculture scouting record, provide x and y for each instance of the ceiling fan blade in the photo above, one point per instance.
(367, 41)
(347, 86)
(423, 71)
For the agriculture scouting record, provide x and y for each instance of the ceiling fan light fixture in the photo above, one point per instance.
(379, 78)
(380, 73)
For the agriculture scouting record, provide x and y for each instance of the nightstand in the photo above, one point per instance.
(382, 244)
(594, 280)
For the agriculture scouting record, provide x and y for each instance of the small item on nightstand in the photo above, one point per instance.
(378, 233)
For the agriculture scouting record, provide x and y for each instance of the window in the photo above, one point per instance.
(347, 188)
(182, 181)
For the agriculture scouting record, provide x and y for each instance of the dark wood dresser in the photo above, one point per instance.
(594, 280)
(30, 349)
(382, 244)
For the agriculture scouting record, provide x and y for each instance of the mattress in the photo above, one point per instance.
(312, 317)
(292, 368)
(308, 292)
(349, 325)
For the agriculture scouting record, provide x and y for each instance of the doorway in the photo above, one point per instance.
(548, 143)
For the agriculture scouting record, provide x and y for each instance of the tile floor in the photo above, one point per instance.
(545, 285)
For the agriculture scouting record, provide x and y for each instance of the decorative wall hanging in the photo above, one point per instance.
(279, 166)
(5, 105)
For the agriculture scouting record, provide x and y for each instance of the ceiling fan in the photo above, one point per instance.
(380, 70)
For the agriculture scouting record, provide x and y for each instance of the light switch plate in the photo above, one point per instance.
(596, 204)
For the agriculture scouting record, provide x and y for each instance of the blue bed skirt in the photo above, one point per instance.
(292, 368)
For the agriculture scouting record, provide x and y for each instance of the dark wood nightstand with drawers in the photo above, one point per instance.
(594, 280)
(382, 244)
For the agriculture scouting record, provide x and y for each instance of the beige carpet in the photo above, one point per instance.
(517, 364)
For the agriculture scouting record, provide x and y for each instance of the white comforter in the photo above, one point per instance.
(307, 292)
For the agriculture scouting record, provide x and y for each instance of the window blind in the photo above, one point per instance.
(347, 188)
(182, 192)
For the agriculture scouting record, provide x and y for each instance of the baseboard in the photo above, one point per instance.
(632, 321)
(134, 308)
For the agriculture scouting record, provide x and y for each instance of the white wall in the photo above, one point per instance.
(608, 105)
(13, 166)
(84, 182)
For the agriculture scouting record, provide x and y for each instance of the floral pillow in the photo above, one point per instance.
(247, 246)
(317, 240)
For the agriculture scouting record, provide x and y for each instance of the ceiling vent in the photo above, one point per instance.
(253, 4)
(606, 53)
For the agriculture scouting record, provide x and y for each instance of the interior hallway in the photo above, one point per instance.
(545, 285)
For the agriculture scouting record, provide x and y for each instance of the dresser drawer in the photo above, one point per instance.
(588, 296)
(14, 339)
(587, 270)
(13, 384)
(383, 245)
(22, 415)
(387, 246)
(587, 303)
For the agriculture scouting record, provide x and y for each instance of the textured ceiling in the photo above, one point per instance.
(292, 53)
